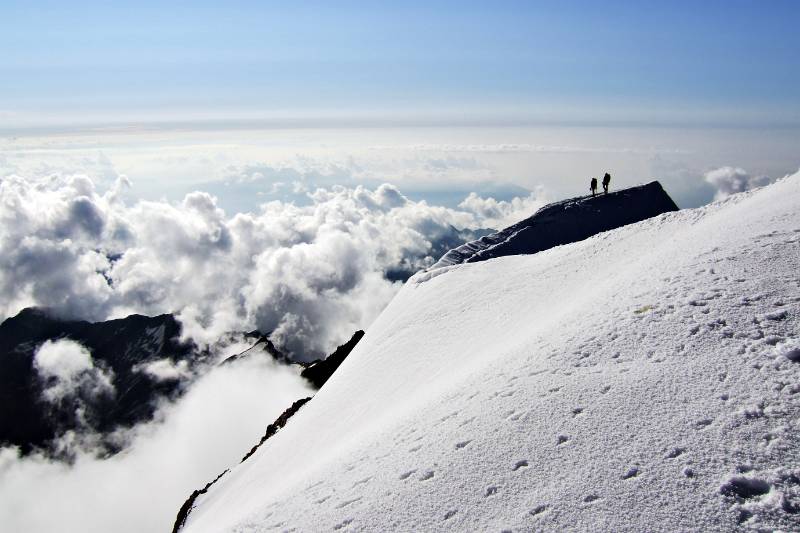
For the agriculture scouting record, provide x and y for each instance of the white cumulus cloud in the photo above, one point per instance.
(165, 369)
(732, 180)
(68, 371)
(500, 214)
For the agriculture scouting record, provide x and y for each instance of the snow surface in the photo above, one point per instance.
(645, 379)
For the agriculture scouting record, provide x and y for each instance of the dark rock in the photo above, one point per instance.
(278, 424)
(565, 222)
(319, 371)
(183, 513)
(118, 346)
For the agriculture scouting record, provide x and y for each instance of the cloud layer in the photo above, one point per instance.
(310, 274)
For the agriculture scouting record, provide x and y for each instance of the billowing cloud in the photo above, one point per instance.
(310, 274)
(500, 214)
(71, 386)
(731, 180)
(165, 370)
(67, 369)
(141, 489)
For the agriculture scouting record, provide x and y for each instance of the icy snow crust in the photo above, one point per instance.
(645, 379)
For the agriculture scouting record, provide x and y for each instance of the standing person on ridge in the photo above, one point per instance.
(606, 181)
(593, 186)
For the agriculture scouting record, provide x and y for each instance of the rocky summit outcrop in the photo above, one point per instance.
(319, 371)
(565, 222)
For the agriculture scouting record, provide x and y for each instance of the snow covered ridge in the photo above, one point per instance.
(564, 222)
(644, 379)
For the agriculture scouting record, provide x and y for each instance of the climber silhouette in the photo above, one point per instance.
(606, 181)
(593, 186)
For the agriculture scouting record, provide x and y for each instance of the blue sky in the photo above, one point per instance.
(731, 63)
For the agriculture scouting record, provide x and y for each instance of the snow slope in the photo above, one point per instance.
(646, 378)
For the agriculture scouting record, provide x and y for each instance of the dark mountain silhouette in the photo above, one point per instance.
(319, 371)
(565, 222)
(118, 346)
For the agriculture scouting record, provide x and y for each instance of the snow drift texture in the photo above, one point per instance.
(564, 222)
(644, 379)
